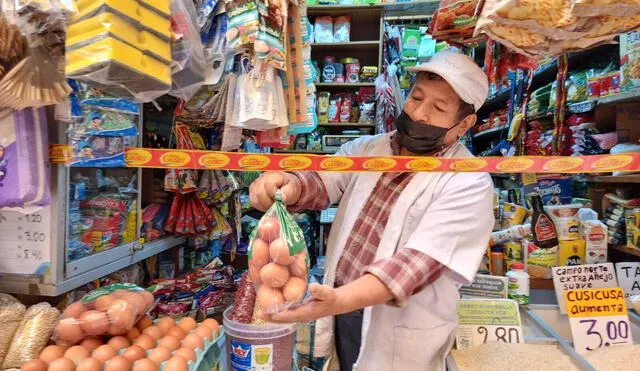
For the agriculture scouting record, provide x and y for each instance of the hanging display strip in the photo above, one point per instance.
(191, 159)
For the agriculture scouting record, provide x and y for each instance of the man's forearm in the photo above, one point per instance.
(364, 292)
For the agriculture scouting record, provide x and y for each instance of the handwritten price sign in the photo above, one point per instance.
(488, 321)
(598, 318)
(25, 234)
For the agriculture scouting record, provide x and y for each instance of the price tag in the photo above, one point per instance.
(485, 321)
(486, 286)
(577, 277)
(629, 279)
(598, 318)
(25, 237)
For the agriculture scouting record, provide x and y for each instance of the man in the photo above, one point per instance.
(401, 244)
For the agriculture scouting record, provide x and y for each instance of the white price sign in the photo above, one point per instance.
(486, 321)
(629, 278)
(25, 235)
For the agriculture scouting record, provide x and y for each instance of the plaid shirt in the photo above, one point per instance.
(405, 273)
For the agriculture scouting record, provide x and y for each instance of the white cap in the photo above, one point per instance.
(465, 77)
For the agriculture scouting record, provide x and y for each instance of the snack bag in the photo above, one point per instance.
(278, 260)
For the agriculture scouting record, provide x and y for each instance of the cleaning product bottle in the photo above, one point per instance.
(518, 286)
(542, 227)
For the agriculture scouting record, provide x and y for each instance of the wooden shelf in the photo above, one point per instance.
(627, 250)
(348, 124)
(348, 45)
(541, 284)
(620, 98)
(631, 178)
(344, 84)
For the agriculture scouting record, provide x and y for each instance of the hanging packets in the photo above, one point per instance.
(269, 44)
(243, 23)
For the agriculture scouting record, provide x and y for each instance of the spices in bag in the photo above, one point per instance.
(278, 260)
(32, 335)
(11, 314)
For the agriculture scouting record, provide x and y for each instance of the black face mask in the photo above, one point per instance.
(420, 138)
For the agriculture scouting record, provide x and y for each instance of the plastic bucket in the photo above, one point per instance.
(261, 347)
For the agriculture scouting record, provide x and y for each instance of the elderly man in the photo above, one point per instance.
(402, 243)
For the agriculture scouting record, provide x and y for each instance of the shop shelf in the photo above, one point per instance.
(627, 250)
(541, 115)
(631, 178)
(620, 98)
(423, 6)
(582, 107)
(492, 131)
(344, 84)
(347, 45)
(348, 124)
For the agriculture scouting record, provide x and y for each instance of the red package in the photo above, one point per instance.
(174, 211)
(455, 19)
(275, 138)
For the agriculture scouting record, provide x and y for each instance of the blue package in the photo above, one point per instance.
(555, 189)
(99, 121)
(98, 151)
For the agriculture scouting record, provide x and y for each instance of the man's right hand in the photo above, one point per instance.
(263, 190)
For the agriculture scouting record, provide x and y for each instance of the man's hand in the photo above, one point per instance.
(263, 190)
(322, 302)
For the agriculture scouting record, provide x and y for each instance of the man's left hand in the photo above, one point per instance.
(322, 302)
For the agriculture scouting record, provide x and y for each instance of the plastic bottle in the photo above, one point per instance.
(544, 231)
(518, 286)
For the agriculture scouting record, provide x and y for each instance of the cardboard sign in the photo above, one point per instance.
(629, 279)
(485, 321)
(485, 286)
(578, 277)
(598, 318)
(25, 235)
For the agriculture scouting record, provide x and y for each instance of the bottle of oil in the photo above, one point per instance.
(542, 227)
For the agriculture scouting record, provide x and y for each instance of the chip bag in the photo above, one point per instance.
(278, 260)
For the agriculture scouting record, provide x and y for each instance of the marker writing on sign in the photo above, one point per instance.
(575, 307)
(636, 274)
(582, 277)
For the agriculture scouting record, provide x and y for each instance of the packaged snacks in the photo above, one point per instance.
(11, 315)
(109, 310)
(540, 261)
(323, 30)
(269, 43)
(455, 18)
(632, 223)
(368, 73)
(243, 22)
(278, 260)
(243, 308)
(630, 60)
(32, 335)
(341, 29)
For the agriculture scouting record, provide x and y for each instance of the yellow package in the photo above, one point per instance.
(512, 253)
(571, 252)
(540, 261)
(161, 6)
(514, 214)
(632, 219)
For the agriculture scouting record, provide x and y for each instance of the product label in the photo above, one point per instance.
(485, 286)
(544, 229)
(519, 290)
(245, 357)
(588, 276)
(485, 321)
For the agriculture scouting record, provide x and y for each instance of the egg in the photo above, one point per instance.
(187, 324)
(299, 267)
(165, 324)
(148, 298)
(193, 341)
(134, 353)
(91, 343)
(34, 365)
(294, 290)
(103, 353)
(89, 364)
(177, 332)
(103, 302)
(259, 253)
(76, 353)
(269, 300)
(62, 364)
(121, 317)
(153, 331)
(159, 355)
(212, 324)
(74, 310)
(269, 228)
(133, 333)
(254, 274)
(145, 364)
(274, 275)
(176, 363)
(144, 322)
(137, 300)
(94, 322)
(145, 342)
(69, 331)
(169, 342)
(204, 332)
(118, 363)
(118, 342)
(52, 352)
(186, 353)
(279, 252)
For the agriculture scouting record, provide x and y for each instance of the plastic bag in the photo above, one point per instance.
(11, 314)
(341, 29)
(32, 335)
(591, 8)
(112, 310)
(269, 43)
(323, 30)
(243, 23)
(278, 260)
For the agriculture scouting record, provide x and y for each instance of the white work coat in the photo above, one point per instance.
(449, 217)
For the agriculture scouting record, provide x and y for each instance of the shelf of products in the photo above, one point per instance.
(347, 45)
(490, 132)
(348, 124)
(341, 85)
(627, 250)
(631, 178)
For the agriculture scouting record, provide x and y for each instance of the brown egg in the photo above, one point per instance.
(269, 228)
(204, 332)
(133, 334)
(153, 331)
(134, 353)
(137, 300)
(269, 300)
(91, 343)
(212, 324)
(76, 353)
(52, 352)
(144, 322)
(186, 353)
(159, 355)
(34, 365)
(176, 363)
(74, 310)
(118, 363)
(187, 324)
(169, 342)
(94, 322)
(89, 364)
(279, 252)
(294, 290)
(119, 342)
(299, 267)
(148, 298)
(121, 316)
(145, 342)
(254, 274)
(165, 324)
(104, 353)
(62, 364)
(274, 275)
(69, 331)
(177, 332)
(103, 302)
(145, 364)
(259, 253)
(193, 341)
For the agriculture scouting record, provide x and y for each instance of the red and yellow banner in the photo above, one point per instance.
(190, 159)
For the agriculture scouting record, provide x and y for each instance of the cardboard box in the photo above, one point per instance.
(628, 122)
(595, 235)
